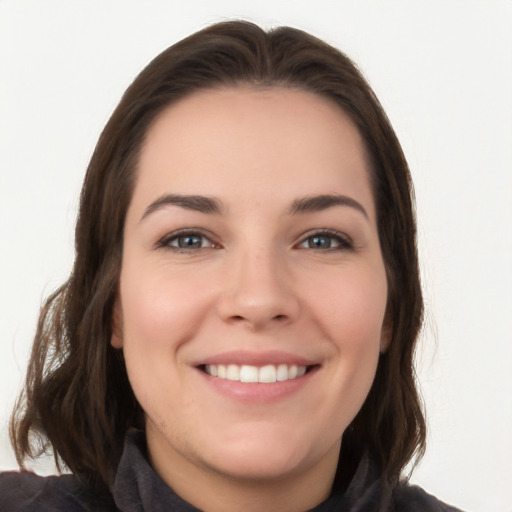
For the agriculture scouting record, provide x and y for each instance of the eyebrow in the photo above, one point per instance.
(212, 205)
(322, 202)
(196, 203)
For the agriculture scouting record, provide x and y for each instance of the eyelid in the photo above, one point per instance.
(345, 242)
(164, 242)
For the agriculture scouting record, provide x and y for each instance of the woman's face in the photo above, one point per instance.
(253, 290)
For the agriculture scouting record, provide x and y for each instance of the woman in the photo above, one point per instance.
(239, 327)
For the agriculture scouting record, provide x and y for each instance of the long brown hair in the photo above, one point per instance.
(77, 398)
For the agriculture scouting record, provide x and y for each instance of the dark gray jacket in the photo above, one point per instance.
(138, 488)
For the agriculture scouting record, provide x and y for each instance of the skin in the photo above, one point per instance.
(256, 282)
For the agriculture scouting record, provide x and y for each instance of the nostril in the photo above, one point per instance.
(276, 317)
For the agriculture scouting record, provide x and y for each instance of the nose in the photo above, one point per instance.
(259, 292)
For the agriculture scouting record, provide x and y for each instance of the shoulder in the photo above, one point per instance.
(27, 492)
(411, 497)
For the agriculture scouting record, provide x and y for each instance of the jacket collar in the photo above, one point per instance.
(137, 488)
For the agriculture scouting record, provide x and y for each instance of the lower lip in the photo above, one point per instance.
(255, 392)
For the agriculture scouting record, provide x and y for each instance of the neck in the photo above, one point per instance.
(226, 495)
(212, 491)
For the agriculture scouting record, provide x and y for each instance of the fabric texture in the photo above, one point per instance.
(138, 488)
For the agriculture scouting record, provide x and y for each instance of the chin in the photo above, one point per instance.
(265, 458)
(261, 467)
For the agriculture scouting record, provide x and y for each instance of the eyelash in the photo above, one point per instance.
(342, 241)
(167, 240)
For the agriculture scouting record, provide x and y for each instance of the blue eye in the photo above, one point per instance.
(325, 241)
(186, 240)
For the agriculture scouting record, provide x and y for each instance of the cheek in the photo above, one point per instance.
(160, 308)
(351, 306)
(352, 320)
(159, 314)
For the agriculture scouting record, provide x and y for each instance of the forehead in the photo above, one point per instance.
(249, 141)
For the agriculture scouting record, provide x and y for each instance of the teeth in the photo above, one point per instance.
(265, 374)
(282, 372)
(221, 371)
(233, 372)
(249, 374)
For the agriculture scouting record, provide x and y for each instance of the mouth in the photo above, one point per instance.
(266, 374)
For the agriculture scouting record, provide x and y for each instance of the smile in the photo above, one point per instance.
(263, 374)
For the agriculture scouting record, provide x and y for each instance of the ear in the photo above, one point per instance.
(117, 325)
(385, 335)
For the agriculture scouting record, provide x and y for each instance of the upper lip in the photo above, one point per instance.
(256, 358)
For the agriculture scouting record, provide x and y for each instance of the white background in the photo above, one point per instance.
(443, 71)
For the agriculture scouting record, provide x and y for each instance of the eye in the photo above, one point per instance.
(186, 241)
(326, 240)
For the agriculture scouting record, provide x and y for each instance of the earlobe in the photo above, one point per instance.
(116, 339)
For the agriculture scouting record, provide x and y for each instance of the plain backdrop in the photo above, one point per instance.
(443, 71)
